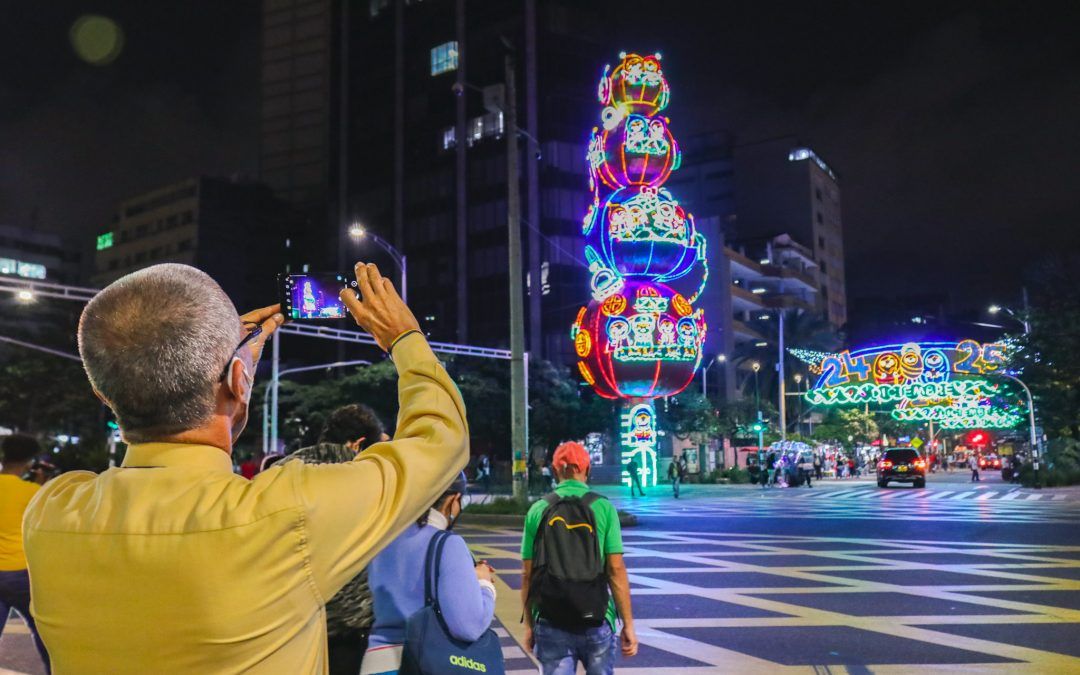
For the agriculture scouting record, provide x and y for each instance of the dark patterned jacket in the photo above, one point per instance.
(352, 608)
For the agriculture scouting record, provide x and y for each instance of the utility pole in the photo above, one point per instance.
(783, 384)
(518, 402)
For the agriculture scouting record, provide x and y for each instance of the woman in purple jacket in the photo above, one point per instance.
(396, 577)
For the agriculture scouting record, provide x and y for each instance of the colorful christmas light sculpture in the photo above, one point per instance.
(640, 337)
(943, 382)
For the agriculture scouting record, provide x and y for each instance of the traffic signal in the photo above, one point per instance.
(758, 427)
(976, 438)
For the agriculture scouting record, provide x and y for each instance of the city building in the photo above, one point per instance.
(755, 280)
(238, 232)
(785, 188)
(36, 254)
(392, 115)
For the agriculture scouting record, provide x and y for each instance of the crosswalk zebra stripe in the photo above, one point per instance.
(1012, 495)
(940, 495)
(964, 495)
(986, 495)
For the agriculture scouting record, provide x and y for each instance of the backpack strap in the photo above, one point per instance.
(590, 498)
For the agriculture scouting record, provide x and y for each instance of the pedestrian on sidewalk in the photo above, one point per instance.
(817, 465)
(171, 562)
(465, 590)
(483, 473)
(572, 549)
(635, 477)
(973, 464)
(17, 453)
(348, 431)
(770, 463)
(677, 473)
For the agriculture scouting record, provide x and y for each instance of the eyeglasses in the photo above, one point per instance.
(254, 331)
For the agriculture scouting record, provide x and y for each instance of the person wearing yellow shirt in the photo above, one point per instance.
(17, 453)
(173, 563)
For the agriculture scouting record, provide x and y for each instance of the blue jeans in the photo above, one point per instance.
(15, 594)
(559, 650)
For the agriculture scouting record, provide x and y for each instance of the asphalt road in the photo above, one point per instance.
(847, 577)
(841, 577)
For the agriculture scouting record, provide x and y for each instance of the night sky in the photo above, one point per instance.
(953, 125)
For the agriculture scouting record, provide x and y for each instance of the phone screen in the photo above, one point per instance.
(313, 296)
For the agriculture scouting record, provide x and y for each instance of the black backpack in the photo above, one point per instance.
(568, 583)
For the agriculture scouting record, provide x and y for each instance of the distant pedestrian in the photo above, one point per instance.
(483, 473)
(770, 463)
(574, 586)
(818, 465)
(635, 477)
(17, 452)
(677, 474)
(973, 464)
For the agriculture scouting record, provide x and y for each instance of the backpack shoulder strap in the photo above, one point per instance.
(552, 498)
(590, 498)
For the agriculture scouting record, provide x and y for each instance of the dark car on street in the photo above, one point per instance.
(901, 465)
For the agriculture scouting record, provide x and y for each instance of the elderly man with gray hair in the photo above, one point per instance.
(172, 563)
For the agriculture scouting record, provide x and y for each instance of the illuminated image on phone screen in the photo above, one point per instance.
(314, 297)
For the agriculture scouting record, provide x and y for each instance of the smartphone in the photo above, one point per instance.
(313, 296)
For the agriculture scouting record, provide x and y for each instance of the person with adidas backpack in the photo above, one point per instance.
(571, 550)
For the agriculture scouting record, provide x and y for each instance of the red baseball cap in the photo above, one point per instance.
(571, 453)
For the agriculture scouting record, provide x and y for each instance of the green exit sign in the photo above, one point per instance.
(104, 241)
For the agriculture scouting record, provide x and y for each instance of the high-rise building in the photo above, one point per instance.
(785, 188)
(37, 255)
(237, 232)
(424, 104)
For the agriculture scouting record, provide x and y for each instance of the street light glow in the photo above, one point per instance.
(721, 358)
(798, 378)
(356, 230)
(994, 309)
(756, 366)
(24, 296)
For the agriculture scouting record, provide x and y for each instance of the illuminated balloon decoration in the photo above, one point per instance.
(640, 336)
(949, 383)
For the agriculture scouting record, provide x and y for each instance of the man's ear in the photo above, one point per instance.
(237, 382)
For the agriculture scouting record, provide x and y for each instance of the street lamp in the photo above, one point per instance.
(997, 309)
(359, 232)
(1031, 424)
(757, 396)
(798, 387)
(720, 358)
(24, 296)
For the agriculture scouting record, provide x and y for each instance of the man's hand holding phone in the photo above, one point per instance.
(378, 309)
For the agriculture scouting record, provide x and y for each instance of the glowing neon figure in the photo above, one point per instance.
(309, 305)
(639, 338)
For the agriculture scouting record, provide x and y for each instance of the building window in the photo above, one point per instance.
(824, 267)
(8, 266)
(104, 241)
(821, 242)
(444, 58)
(449, 138)
(31, 270)
(817, 193)
(819, 218)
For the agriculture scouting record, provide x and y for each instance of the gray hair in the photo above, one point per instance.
(154, 343)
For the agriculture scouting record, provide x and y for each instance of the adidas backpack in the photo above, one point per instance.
(569, 584)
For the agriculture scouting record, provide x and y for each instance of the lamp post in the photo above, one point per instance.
(997, 309)
(721, 358)
(1031, 425)
(359, 232)
(798, 388)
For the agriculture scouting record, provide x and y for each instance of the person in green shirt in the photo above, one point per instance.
(557, 648)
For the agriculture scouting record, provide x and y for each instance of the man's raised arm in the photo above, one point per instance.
(355, 509)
